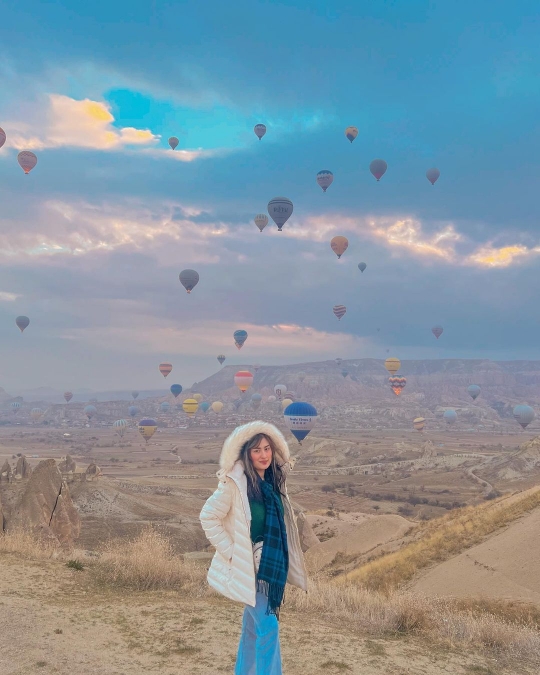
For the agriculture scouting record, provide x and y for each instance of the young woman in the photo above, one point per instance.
(251, 506)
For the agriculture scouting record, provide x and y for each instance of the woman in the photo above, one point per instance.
(251, 505)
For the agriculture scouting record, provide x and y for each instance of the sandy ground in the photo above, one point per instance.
(54, 621)
(505, 566)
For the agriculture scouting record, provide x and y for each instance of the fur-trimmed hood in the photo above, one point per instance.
(230, 452)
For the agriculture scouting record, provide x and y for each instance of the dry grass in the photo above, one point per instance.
(28, 545)
(439, 539)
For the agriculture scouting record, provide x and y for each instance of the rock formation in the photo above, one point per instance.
(428, 449)
(6, 473)
(23, 469)
(308, 538)
(93, 472)
(67, 465)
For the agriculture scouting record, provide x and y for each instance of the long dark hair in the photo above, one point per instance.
(273, 475)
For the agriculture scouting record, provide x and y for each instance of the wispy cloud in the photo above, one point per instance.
(8, 297)
(504, 256)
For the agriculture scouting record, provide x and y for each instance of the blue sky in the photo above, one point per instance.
(92, 241)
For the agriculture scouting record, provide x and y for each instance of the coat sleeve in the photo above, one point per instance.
(212, 515)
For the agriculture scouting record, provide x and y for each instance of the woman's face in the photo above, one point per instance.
(261, 456)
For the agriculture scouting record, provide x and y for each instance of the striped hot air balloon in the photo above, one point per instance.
(240, 336)
(339, 311)
(301, 418)
(165, 368)
(392, 364)
(120, 427)
(221, 359)
(27, 161)
(351, 133)
(325, 179)
(419, 423)
(243, 380)
(147, 428)
(397, 384)
(280, 210)
(261, 221)
(190, 406)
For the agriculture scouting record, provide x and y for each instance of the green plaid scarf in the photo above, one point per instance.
(274, 565)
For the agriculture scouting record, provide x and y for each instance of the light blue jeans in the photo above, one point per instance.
(259, 652)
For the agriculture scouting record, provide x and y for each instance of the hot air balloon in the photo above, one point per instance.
(432, 175)
(339, 245)
(120, 426)
(437, 331)
(339, 311)
(221, 359)
(205, 406)
(15, 405)
(27, 161)
(134, 394)
(147, 428)
(68, 396)
(256, 366)
(198, 397)
(362, 266)
(243, 380)
(392, 365)
(290, 394)
(261, 221)
(397, 384)
(133, 410)
(280, 210)
(325, 179)
(474, 391)
(256, 401)
(22, 322)
(90, 411)
(301, 418)
(190, 406)
(419, 423)
(260, 130)
(37, 413)
(378, 168)
(176, 390)
(189, 279)
(524, 414)
(2, 137)
(285, 403)
(351, 133)
(301, 376)
(217, 406)
(339, 361)
(240, 336)
(173, 142)
(450, 416)
(279, 390)
(165, 368)
(344, 372)
(272, 399)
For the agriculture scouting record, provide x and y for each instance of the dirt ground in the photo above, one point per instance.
(54, 620)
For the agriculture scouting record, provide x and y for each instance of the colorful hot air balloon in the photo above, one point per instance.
(339, 245)
(165, 368)
(197, 397)
(280, 210)
(432, 175)
(378, 168)
(221, 359)
(392, 365)
(261, 221)
(243, 380)
(450, 416)
(190, 406)
(165, 406)
(524, 414)
(437, 331)
(189, 279)
(419, 423)
(2, 137)
(362, 266)
(339, 311)
(22, 322)
(120, 426)
(260, 130)
(256, 401)
(240, 336)
(27, 161)
(397, 384)
(351, 133)
(474, 391)
(147, 428)
(205, 406)
(133, 410)
(173, 142)
(90, 411)
(176, 390)
(279, 390)
(134, 394)
(301, 418)
(37, 413)
(68, 396)
(15, 405)
(325, 179)
(285, 403)
(290, 394)
(217, 406)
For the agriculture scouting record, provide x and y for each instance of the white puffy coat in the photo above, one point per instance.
(226, 520)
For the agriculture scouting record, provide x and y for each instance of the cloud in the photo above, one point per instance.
(67, 122)
(504, 256)
(8, 297)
